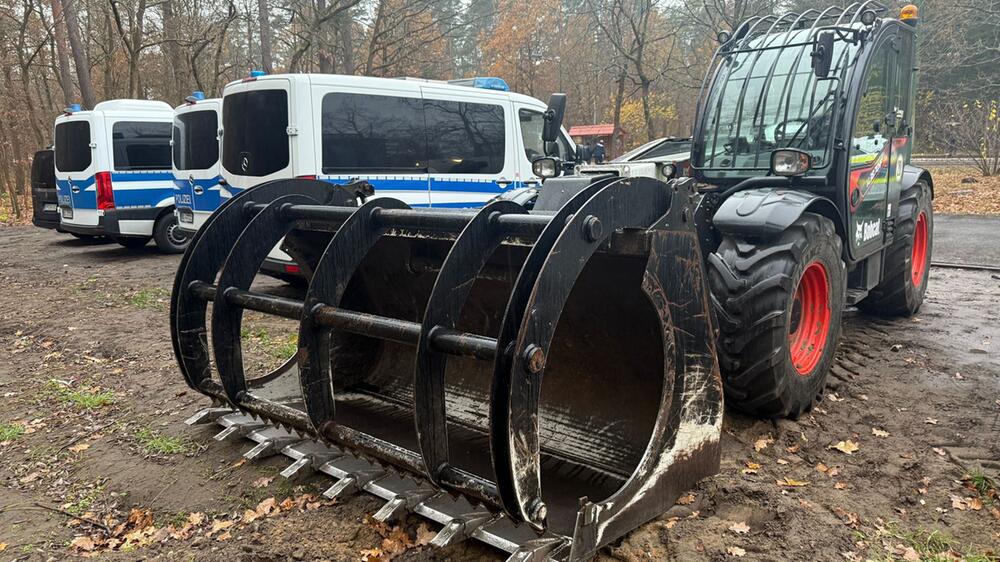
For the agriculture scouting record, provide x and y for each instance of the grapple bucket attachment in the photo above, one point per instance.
(549, 377)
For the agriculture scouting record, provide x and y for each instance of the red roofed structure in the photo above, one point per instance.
(590, 134)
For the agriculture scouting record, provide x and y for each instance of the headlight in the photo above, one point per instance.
(545, 167)
(668, 170)
(789, 162)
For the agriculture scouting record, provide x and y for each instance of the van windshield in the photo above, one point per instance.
(141, 145)
(73, 146)
(195, 140)
(255, 125)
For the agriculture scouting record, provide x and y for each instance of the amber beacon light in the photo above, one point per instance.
(909, 13)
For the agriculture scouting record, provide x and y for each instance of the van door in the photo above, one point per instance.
(471, 154)
(378, 138)
(141, 175)
(255, 133)
(76, 164)
(196, 160)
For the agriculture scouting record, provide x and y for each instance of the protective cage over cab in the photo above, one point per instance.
(549, 376)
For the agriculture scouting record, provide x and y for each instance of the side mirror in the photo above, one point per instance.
(553, 118)
(546, 167)
(822, 55)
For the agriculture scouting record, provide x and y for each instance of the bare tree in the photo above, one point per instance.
(62, 52)
(79, 51)
(264, 20)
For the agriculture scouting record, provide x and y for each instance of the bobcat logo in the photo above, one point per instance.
(867, 230)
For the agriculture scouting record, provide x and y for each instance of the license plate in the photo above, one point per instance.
(49, 207)
(67, 213)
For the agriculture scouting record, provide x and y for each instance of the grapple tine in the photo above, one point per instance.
(344, 486)
(238, 427)
(208, 415)
(538, 550)
(402, 503)
(295, 470)
(461, 528)
(269, 448)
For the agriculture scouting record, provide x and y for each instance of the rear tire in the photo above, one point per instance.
(169, 237)
(778, 305)
(908, 260)
(132, 242)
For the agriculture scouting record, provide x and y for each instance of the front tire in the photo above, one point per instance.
(908, 260)
(778, 304)
(168, 235)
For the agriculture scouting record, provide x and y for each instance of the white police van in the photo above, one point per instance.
(113, 175)
(427, 143)
(198, 185)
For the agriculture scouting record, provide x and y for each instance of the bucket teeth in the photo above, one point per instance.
(208, 415)
(461, 528)
(268, 448)
(353, 483)
(241, 428)
(306, 464)
(537, 550)
(401, 503)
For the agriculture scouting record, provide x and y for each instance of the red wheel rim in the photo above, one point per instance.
(810, 320)
(918, 261)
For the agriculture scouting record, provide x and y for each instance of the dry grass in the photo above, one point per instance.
(951, 196)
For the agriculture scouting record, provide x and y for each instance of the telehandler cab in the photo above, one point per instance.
(547, 380)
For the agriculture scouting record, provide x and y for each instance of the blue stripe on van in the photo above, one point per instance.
(86, 198)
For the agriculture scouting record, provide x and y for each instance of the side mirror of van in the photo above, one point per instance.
(553, 118)
(822, 55)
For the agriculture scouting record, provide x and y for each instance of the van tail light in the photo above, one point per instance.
(105, 195)
(293, 269)
(306, 177)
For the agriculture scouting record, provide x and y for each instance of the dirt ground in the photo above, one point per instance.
(899, 462)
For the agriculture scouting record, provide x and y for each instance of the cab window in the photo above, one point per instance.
(73, 146)
(139, 145)
(870, 136)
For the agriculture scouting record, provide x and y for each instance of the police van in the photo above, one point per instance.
(428, 143)
(199, 187)
(113, 173)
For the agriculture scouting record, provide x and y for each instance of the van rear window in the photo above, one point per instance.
(464, 138)
(141, 145)
(364, 132)
(43, 172)
(196, 141)
(255, 126)
(73, 146)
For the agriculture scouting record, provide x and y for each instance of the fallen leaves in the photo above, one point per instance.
(931, 421)
(736, 551)
(751, 468)
(762, 443)
(685, 500)
(963, 504)
(395, 541)
(79, 447)
(138, 528)
(786, 481)
(740, 528)
(847, 447)
(879, 432)
(263, 482)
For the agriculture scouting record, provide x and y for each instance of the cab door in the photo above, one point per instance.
(900, 117)
(871, 151)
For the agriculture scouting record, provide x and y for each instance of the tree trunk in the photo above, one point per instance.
(616, 133)
(322, 42)
(79, 53)
(62, 52)
(264, 18)
(345, 33)
(175, 62)
(646, 113)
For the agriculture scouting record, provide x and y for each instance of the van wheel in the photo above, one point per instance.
(778, 304)
(132, 242)
(169, 238)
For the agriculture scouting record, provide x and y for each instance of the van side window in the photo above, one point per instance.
(196, 142)
(364, 132)
(256, 132)
(140, 145)
(531, 133)
(73, 146)
(464, 137)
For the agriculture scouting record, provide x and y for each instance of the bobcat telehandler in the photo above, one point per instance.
(547, 380)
